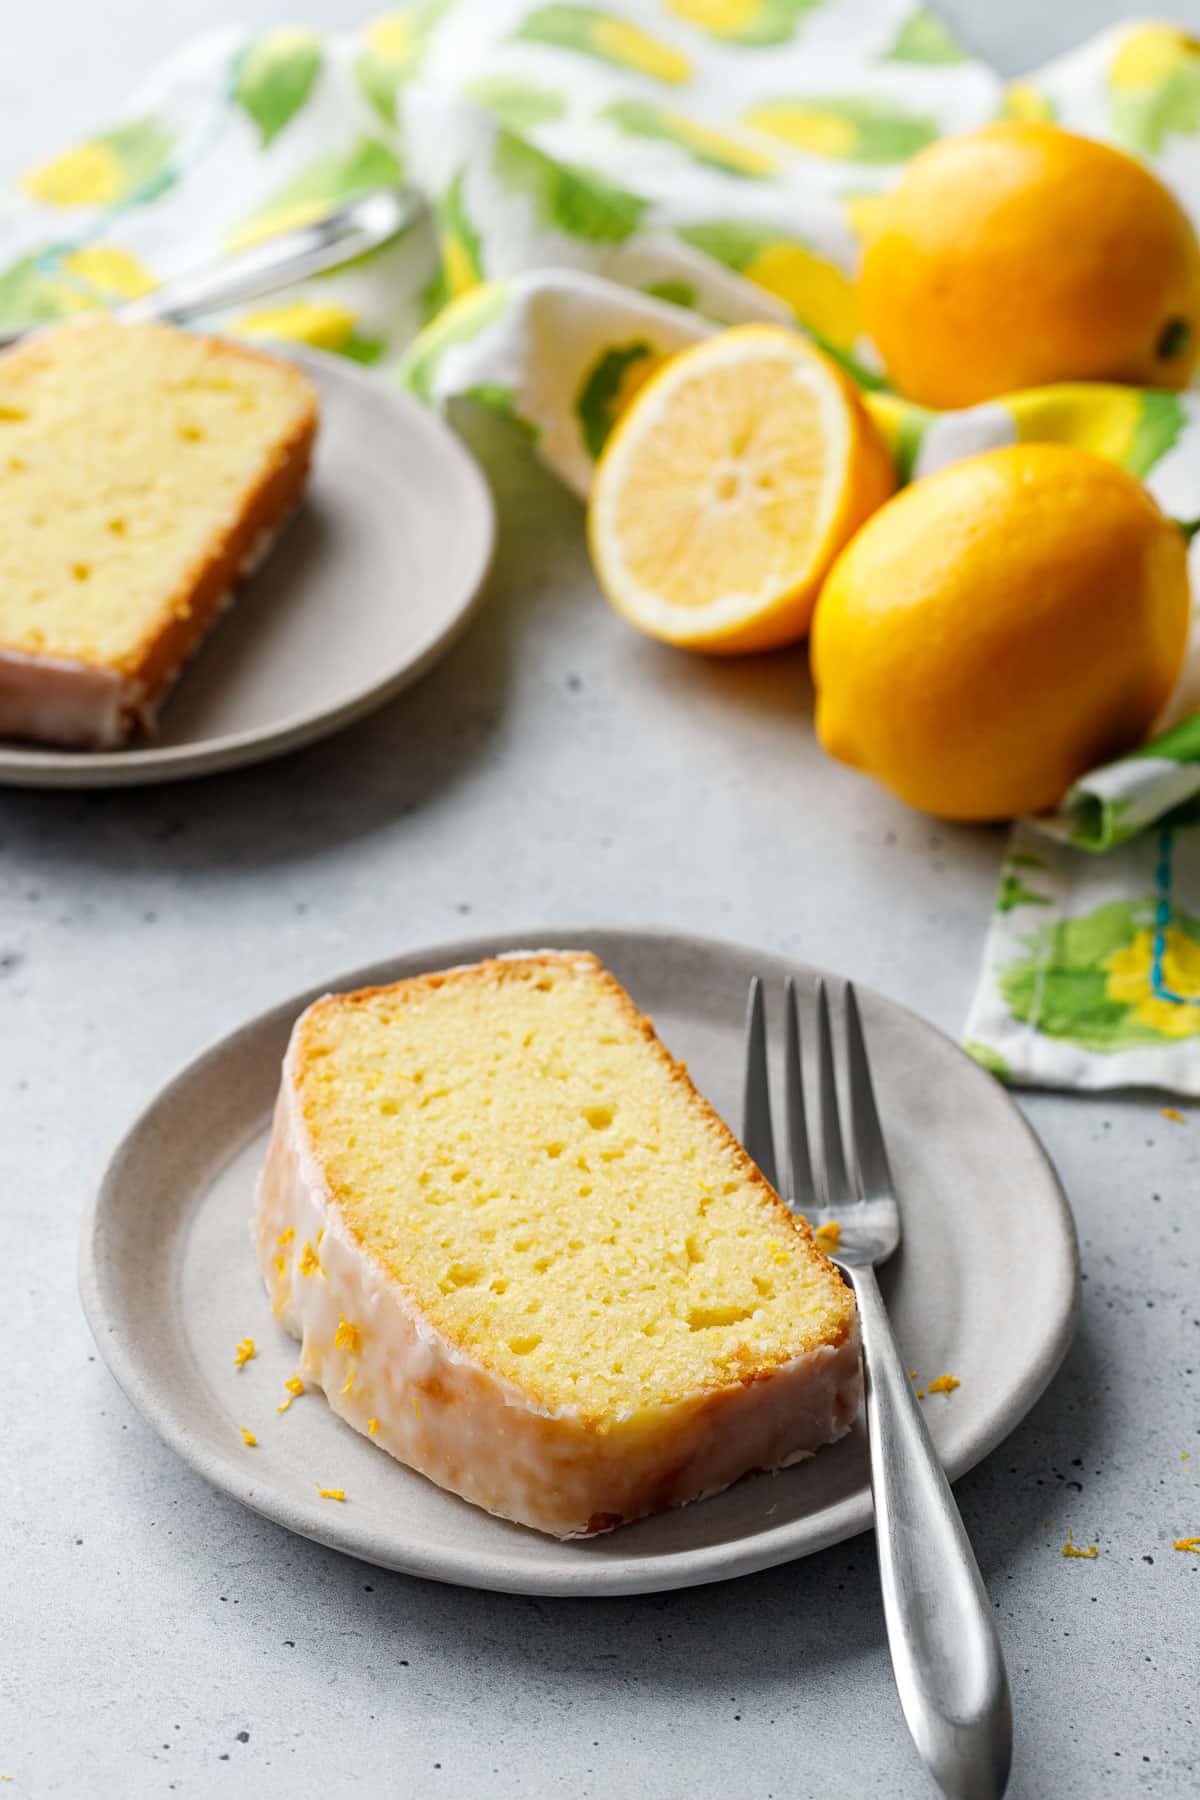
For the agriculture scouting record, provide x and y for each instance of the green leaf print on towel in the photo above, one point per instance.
(56, 281)
(458, 242)
(327, 181)
(924, 39)
(516, 103)
(276, 77)
(607, 388)
(987, 1058)
(1014, 893)
(1090, 981)
(567, 198)
(29, 296)
(462, 322)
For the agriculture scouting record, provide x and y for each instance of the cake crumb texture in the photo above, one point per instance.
(519, 1151)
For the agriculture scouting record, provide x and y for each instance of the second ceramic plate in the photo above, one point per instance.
(985, 1288)
(369, 583)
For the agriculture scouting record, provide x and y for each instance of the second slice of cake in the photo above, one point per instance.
(526, 1257)
(143, 471)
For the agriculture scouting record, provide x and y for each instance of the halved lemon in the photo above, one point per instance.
(728, 487)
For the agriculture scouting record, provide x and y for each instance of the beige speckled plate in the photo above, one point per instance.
(170, 1285)
(369, 583)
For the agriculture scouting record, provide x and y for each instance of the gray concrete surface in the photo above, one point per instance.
(154, 1637)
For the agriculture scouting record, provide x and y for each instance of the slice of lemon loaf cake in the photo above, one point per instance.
(142, 470)
(526, 1257)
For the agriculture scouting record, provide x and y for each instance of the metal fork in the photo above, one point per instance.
(946, 1655)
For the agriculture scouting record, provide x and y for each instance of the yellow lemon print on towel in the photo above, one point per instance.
(750, 22)
(88, 176)
(820, 294)
(712, 149)
(1124, 426)
(1154, 87)
(1022, 100)
(113, 273)
(1130, 981)
(591, 32)
(1148, 55)
(844, 130)
(325, 327)
(105, 170)
(391, 36)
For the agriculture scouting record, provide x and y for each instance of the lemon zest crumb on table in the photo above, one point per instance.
(945, 1384)
(1172, 1113)
(1192, 1544)
(295, 1387)
(332, 1493)
(372, 1427)
(248, 1438)
(912, 1374)
(1088, 1555)
(245, 1352)
(1185, 1456)
(920, 1393)
(829, 1236)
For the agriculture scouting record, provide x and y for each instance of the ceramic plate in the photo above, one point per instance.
(368, 584)
(985, 1287)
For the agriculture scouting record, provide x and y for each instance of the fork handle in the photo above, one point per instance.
(945, 1652)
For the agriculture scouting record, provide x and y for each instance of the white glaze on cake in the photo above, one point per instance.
(365, 1342)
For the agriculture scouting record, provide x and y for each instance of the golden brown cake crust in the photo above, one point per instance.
(497, 970)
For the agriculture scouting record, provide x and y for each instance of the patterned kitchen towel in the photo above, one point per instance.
(607, 183)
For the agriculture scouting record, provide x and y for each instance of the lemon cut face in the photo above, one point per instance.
(728, 487)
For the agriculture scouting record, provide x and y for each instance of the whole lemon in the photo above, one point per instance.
(999, 628)
(1021, 254)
